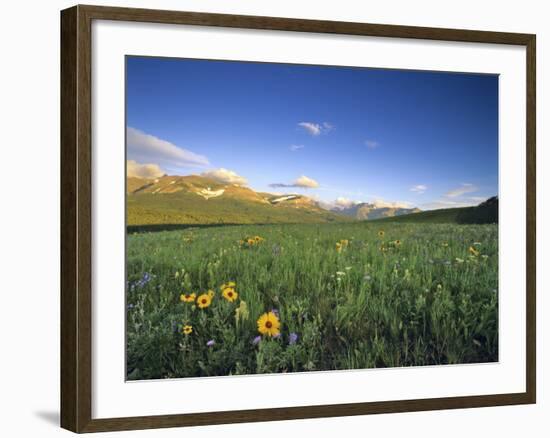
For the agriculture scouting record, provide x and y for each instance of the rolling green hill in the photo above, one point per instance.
(484, 213)
(196, 200)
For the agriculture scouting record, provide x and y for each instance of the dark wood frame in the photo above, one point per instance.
(76, 237)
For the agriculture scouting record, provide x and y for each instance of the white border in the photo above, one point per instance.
(112, 397)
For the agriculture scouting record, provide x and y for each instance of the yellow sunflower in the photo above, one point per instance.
(251, 242)
(381, 233)
(188, 298)
(230, 294)
(268, 324)
(204, 300)
(397, 243)
(338, 247)
(187, 329)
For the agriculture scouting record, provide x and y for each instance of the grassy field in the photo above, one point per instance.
(332, 296)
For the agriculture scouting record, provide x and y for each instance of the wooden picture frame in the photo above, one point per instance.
(76, 217)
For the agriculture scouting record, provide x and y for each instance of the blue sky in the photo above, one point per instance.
(338, 134)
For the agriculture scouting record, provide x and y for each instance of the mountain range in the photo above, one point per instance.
(366, 211)
(195, 199)
(200, 200)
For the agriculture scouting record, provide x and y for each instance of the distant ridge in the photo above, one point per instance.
(484, 213)
(369, 211)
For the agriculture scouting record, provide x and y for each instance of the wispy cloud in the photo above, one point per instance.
(380, 203)
(439, 204)
(372, 144)
(296, 147)
(344, 202)
(135, 169)
(462, 190)
(226, 176)
(316, 129)
(303, 182)
(478, 198)
(419, 188)
(147, 148)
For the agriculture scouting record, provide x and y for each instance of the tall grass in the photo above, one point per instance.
(419, 294)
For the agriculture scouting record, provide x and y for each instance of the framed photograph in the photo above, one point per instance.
(271, 218)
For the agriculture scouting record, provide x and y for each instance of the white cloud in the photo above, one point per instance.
(225, 176)
(135, 169)
(144, 147)
(462, 190)
(419, 188)
(380, 203)
(302, 182)
(344, 202)
(316, 129)
(306, 182)
(478, 198)
(296, 147)
(371, 144)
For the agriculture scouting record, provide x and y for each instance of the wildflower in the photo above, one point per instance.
(338, 247)
(340, 273)
(473, 251)
(256, 340)
(268, 324)
(211, 293)
(188, 298)
(344, 242)
(292, 338)
(204, 301)
(241, 312)
(230, 294)
(258, 239)
(143, 280)
(187, 329)
(130, 306)
(397, 243)
(210, 343)
(229, 284)
(251, 242)
(459, 260)
(381, 233)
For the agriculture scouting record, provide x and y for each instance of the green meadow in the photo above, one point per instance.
(344, 295)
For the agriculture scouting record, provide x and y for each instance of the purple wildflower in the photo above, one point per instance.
(292, 338)
(256, 340)
(210, 343)
(144, 280)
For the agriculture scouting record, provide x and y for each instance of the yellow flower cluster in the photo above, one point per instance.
(342, 244)
(251, 241)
